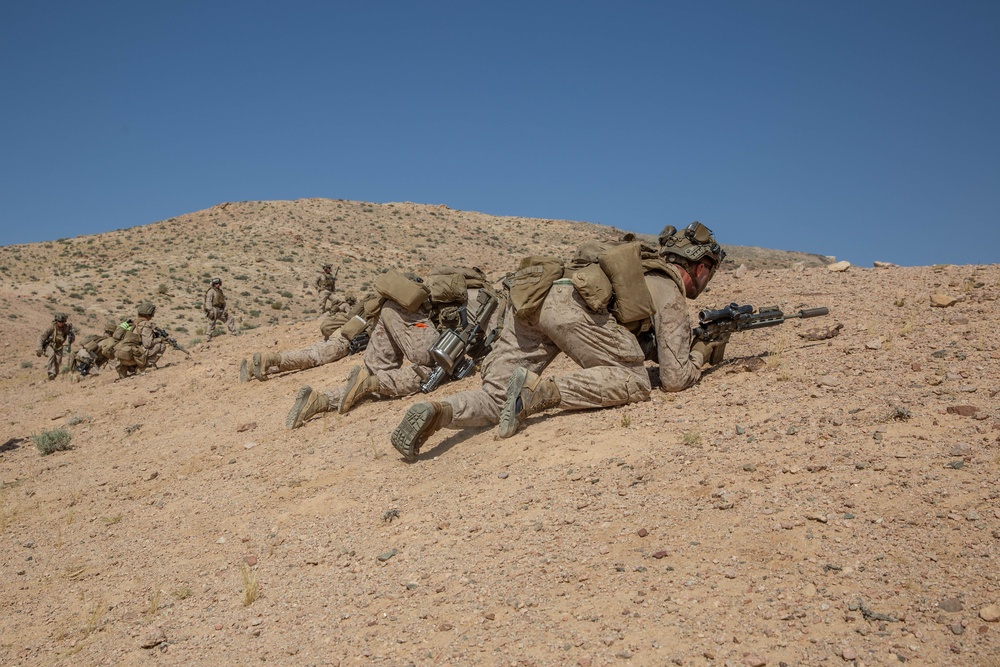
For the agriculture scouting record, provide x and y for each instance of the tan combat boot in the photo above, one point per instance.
(308, 403)
(261, 361)
(420, 422)
(527, 394)
(360, 385)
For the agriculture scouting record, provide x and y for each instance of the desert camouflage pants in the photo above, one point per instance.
(219, 316)
(612, 368)
(317, 354)
(398, 337)
(53, 360)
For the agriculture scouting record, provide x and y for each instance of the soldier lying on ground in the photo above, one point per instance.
(551, 313)
(343, 333)
(411, 317)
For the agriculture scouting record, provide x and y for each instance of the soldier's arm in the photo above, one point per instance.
(679, 367)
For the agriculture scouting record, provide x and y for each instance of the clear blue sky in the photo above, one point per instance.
(868, 130)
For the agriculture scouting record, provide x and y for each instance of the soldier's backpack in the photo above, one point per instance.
(395, 286)
(531, 283)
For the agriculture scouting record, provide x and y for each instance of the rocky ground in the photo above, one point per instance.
(828, 495)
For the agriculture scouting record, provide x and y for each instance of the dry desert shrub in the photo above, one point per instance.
(53, 440)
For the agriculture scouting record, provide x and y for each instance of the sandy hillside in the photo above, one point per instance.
(809, 502)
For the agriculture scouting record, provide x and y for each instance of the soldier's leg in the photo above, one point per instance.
(317, 354)
(613, 370)
(521, 343)
(53, 361)
(404, 336)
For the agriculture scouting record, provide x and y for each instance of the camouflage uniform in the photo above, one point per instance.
(154, 347)
(326, 285)
(216, 311)
(51, 341)
(92, 351)
(398, 337)
(335, 346)
(611, 358)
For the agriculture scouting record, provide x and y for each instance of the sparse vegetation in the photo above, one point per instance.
(251, 587)
(54, 440)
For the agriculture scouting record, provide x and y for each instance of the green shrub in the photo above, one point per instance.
(54, 440)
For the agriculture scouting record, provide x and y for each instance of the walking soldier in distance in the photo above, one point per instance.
(52, 341)
(216, 311)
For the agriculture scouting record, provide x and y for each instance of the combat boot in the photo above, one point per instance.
(261, 361)
(360, 385)
(419, 423)
(527, 394)
(308, 403)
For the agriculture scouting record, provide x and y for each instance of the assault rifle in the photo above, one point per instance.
(717, 325)
(172, 342)
(456, 352)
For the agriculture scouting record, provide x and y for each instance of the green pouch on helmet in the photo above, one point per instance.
(623, 266)
(394, 285)
(532, 282)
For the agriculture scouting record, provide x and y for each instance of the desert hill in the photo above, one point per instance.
(269, 253)
(829, 494)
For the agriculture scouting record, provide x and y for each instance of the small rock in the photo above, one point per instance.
(951, 605)
(939, 300)
(884, 265)
(250, 560)
(153, 637)
(249, 445)
(962, 410)
(754, 661)
(874, 344)
(387, 555)
(990, 614)
(849, 654)
(741, 271)
(139, 402)
(829, 381)
(151, 476)
(643, 532)
(662, 553)
(961, 449)
(249, 426)
(839, 267)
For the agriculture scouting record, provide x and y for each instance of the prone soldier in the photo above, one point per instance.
(349, 334)
(558, 309)
(408, 327)
(94, 351)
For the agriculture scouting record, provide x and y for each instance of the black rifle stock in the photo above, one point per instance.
(717, 325)
(456, 352)
(172, 342)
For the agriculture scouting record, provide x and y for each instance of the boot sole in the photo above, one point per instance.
(509, 424)
(292, 420)
(408, 436)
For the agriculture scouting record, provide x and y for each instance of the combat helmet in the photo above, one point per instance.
(216, 281)
(690, 245)
(60, 317)
(327, 267)
(109, 327)
(146, 309)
